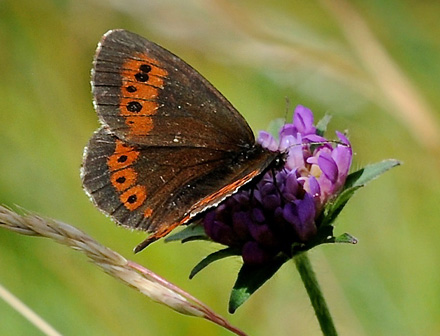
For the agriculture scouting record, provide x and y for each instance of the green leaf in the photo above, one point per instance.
(250, 278)
(227, 252)
(192, 232)
(321, 126)
(369, 173)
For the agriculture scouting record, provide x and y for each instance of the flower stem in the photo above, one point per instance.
(316, 297)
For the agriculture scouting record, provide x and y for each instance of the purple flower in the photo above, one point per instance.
(281, 211)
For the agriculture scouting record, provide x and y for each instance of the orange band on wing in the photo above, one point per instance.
(162, 232)
(123, 179)
(226, 190)
(134, 197)
(139, 125)
(142, 80)
(122, 157)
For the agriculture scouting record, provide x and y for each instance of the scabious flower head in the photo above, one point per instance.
(281, 209)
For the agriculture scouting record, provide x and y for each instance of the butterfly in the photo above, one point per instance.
(170, 145)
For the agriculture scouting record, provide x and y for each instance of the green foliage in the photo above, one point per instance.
(217, 255)
(250, 278)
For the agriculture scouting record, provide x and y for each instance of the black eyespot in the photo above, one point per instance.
(122, 158)
(131, 88)
(141, 77)
(132, 199)
(145, 68)
(121, 179)
(134, 106)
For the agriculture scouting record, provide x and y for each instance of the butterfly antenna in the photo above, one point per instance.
(318, 143)
(286, 111)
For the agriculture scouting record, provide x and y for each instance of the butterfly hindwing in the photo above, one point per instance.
(158, 188)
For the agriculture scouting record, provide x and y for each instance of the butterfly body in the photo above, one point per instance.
(170, 145)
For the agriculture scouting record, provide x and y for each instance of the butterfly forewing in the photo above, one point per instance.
(147, 95)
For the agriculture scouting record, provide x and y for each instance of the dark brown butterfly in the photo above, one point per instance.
(170, 145)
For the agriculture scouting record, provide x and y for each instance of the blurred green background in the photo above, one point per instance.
(373, 65)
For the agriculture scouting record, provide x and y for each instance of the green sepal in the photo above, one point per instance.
(275, 127)
(193, 231)
(321, 126)
(217, 255)
(323, 236)
(344, 238)
(250, 278)
(334, 208)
